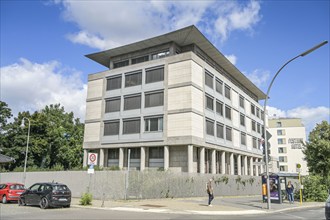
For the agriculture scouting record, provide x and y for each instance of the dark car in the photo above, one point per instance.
(10, 191)
(46, 195)
(327, 208)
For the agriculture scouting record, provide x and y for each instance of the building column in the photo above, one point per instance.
(101, 162)
(251, 166)
(121, 158)
(232, 167)
(166, 157)
(85, 158)
(190, 158)
(213, 160)
(239, 165)
(245, 165)
(223, 162)
(202, 160)
(143, 158)
(257, 167)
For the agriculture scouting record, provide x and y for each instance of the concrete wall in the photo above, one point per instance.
(110, 185)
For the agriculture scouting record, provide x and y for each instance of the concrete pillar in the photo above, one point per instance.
(85, 158)
(190, 158)
(239, 166)
(101, 162)
(121, 158)
(213, 166)
(223, 162)
(257, 167)
(202, 160)
(232, 167)
(251, 166)
(143, 159)
(166, 157)
(245, 165)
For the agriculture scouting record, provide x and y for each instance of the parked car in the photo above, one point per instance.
(10, 191)
(327, 208)
(46, 195)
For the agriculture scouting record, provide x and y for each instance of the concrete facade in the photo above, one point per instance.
(198, 115)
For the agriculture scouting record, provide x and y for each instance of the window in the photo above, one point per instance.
(114, 83)
(132, 102)
(154, 99)
(253, 109)
(156, 152)
(227, 92)
(242, 120)
(253, 124)
(218, 86)
(131, 126)
(283, 168)
(153, 124)
(282, 150)
(281, 141)
(111, 128)
(209, 102)
(210, 127)
(120, 64)
(258, 112)
(161, 54)
(140, 59)
(228, 112)
(219, 108)
(280, 132)
(133, 79)
(241, 101)
(220, 131)
(112, 105)
(228, 133)
(243, 138)
(155, 75)
(254, 142)
(135, 153)
(278, 124)
(209, 80)
(282, 159)
(258, 128)
(113, 154)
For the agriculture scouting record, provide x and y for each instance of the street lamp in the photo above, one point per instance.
(27, 147)
(265, 103)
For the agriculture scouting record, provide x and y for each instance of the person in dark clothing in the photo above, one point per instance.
(209, 190)
(289, 191)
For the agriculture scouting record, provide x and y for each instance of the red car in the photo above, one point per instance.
(10, 191)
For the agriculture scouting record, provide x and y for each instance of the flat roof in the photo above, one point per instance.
(182, 37)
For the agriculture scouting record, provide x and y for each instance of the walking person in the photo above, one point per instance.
(209, 190)
(289, 191)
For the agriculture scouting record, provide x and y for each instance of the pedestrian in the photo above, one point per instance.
(289, 191)
(209, 190)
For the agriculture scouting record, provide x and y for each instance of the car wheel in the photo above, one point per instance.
(21, 202)
(4, 199)
(44, 203)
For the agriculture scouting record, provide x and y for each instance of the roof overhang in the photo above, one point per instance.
(186, 36)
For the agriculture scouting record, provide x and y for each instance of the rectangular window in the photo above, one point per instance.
(154, 99)
(242, 120)
(120, 64)
(209, 79)
(160, 55)
(153, 124)
(280, 132)
(282, 159)
(281, 140)
(219, 86)
(131, 126)
(278, 124)
(228, 112)
(210, 127)
(219, 108)
(155, 75)
(282, 150)
(220, 131)
(114, 83)
(243, 138)
(283, 168)
(135, 153)
(140, 59)
(253, 124)
(228, 133)
(113, 154)
(258, 128)
(132, 102)
(253, 109)
(156, 152)
(241, 101)
(209, 103)
(254, 142)
(133, 79)
(112, 105)
(111, 128)
(258, 112)
(227, 92)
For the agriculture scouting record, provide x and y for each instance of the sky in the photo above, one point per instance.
(44, 43)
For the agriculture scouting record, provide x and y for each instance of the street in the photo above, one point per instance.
(15, 212)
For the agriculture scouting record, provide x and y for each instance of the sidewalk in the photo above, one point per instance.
(243, 205)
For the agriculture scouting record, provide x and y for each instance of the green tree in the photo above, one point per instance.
(5, 114)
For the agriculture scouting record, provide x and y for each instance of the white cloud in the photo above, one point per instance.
(28, 86)
(310, 116)
(232, 58)
(258, 77)
(105, 24)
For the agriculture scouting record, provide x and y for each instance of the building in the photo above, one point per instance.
(286, 146)
(174, 102)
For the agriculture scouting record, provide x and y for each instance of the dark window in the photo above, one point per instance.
(161, 54)
(154, 99)
(254, 142)
(241, 101)
(113, 154)
(242, 120)
(220, 131)
(243, 138)
(210, 127)
(155, 75)
(227, 92)
(278, 124)
(258, 128)
(120, 64)
(258, 112)
(228, 112)
(111, 128)
(218, 86)
(156, 152)
(153, 124)
(253, 126)
(114, 83)
(140, 59)
(253, 109)
(228, 133)
(209, 102)
(132, 102)
(209, 80)
(112, 105)
(219, 108)
(133, 79)
(135, 153)
(131, 126)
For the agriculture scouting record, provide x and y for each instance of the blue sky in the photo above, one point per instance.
(43, 44)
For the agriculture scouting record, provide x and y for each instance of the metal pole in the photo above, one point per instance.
(265, 104)
(27, 149)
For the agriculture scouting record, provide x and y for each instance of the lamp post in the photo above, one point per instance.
(265, 104)
(27, 147)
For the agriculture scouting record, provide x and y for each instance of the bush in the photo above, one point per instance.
(315, 189)
(86, 199)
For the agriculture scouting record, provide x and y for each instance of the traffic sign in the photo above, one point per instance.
(92, 159)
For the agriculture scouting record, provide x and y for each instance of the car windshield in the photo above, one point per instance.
(17, 187)
(60, 187)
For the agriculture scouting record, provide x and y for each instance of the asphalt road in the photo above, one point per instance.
(15, 212)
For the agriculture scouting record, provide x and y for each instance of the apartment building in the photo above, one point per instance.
(286, 144)
(175, 103)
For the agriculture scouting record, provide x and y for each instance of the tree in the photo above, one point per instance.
(5, 114)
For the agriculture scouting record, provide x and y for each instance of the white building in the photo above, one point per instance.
(286, 144)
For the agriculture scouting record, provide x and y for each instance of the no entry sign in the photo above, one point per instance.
(92, 159)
